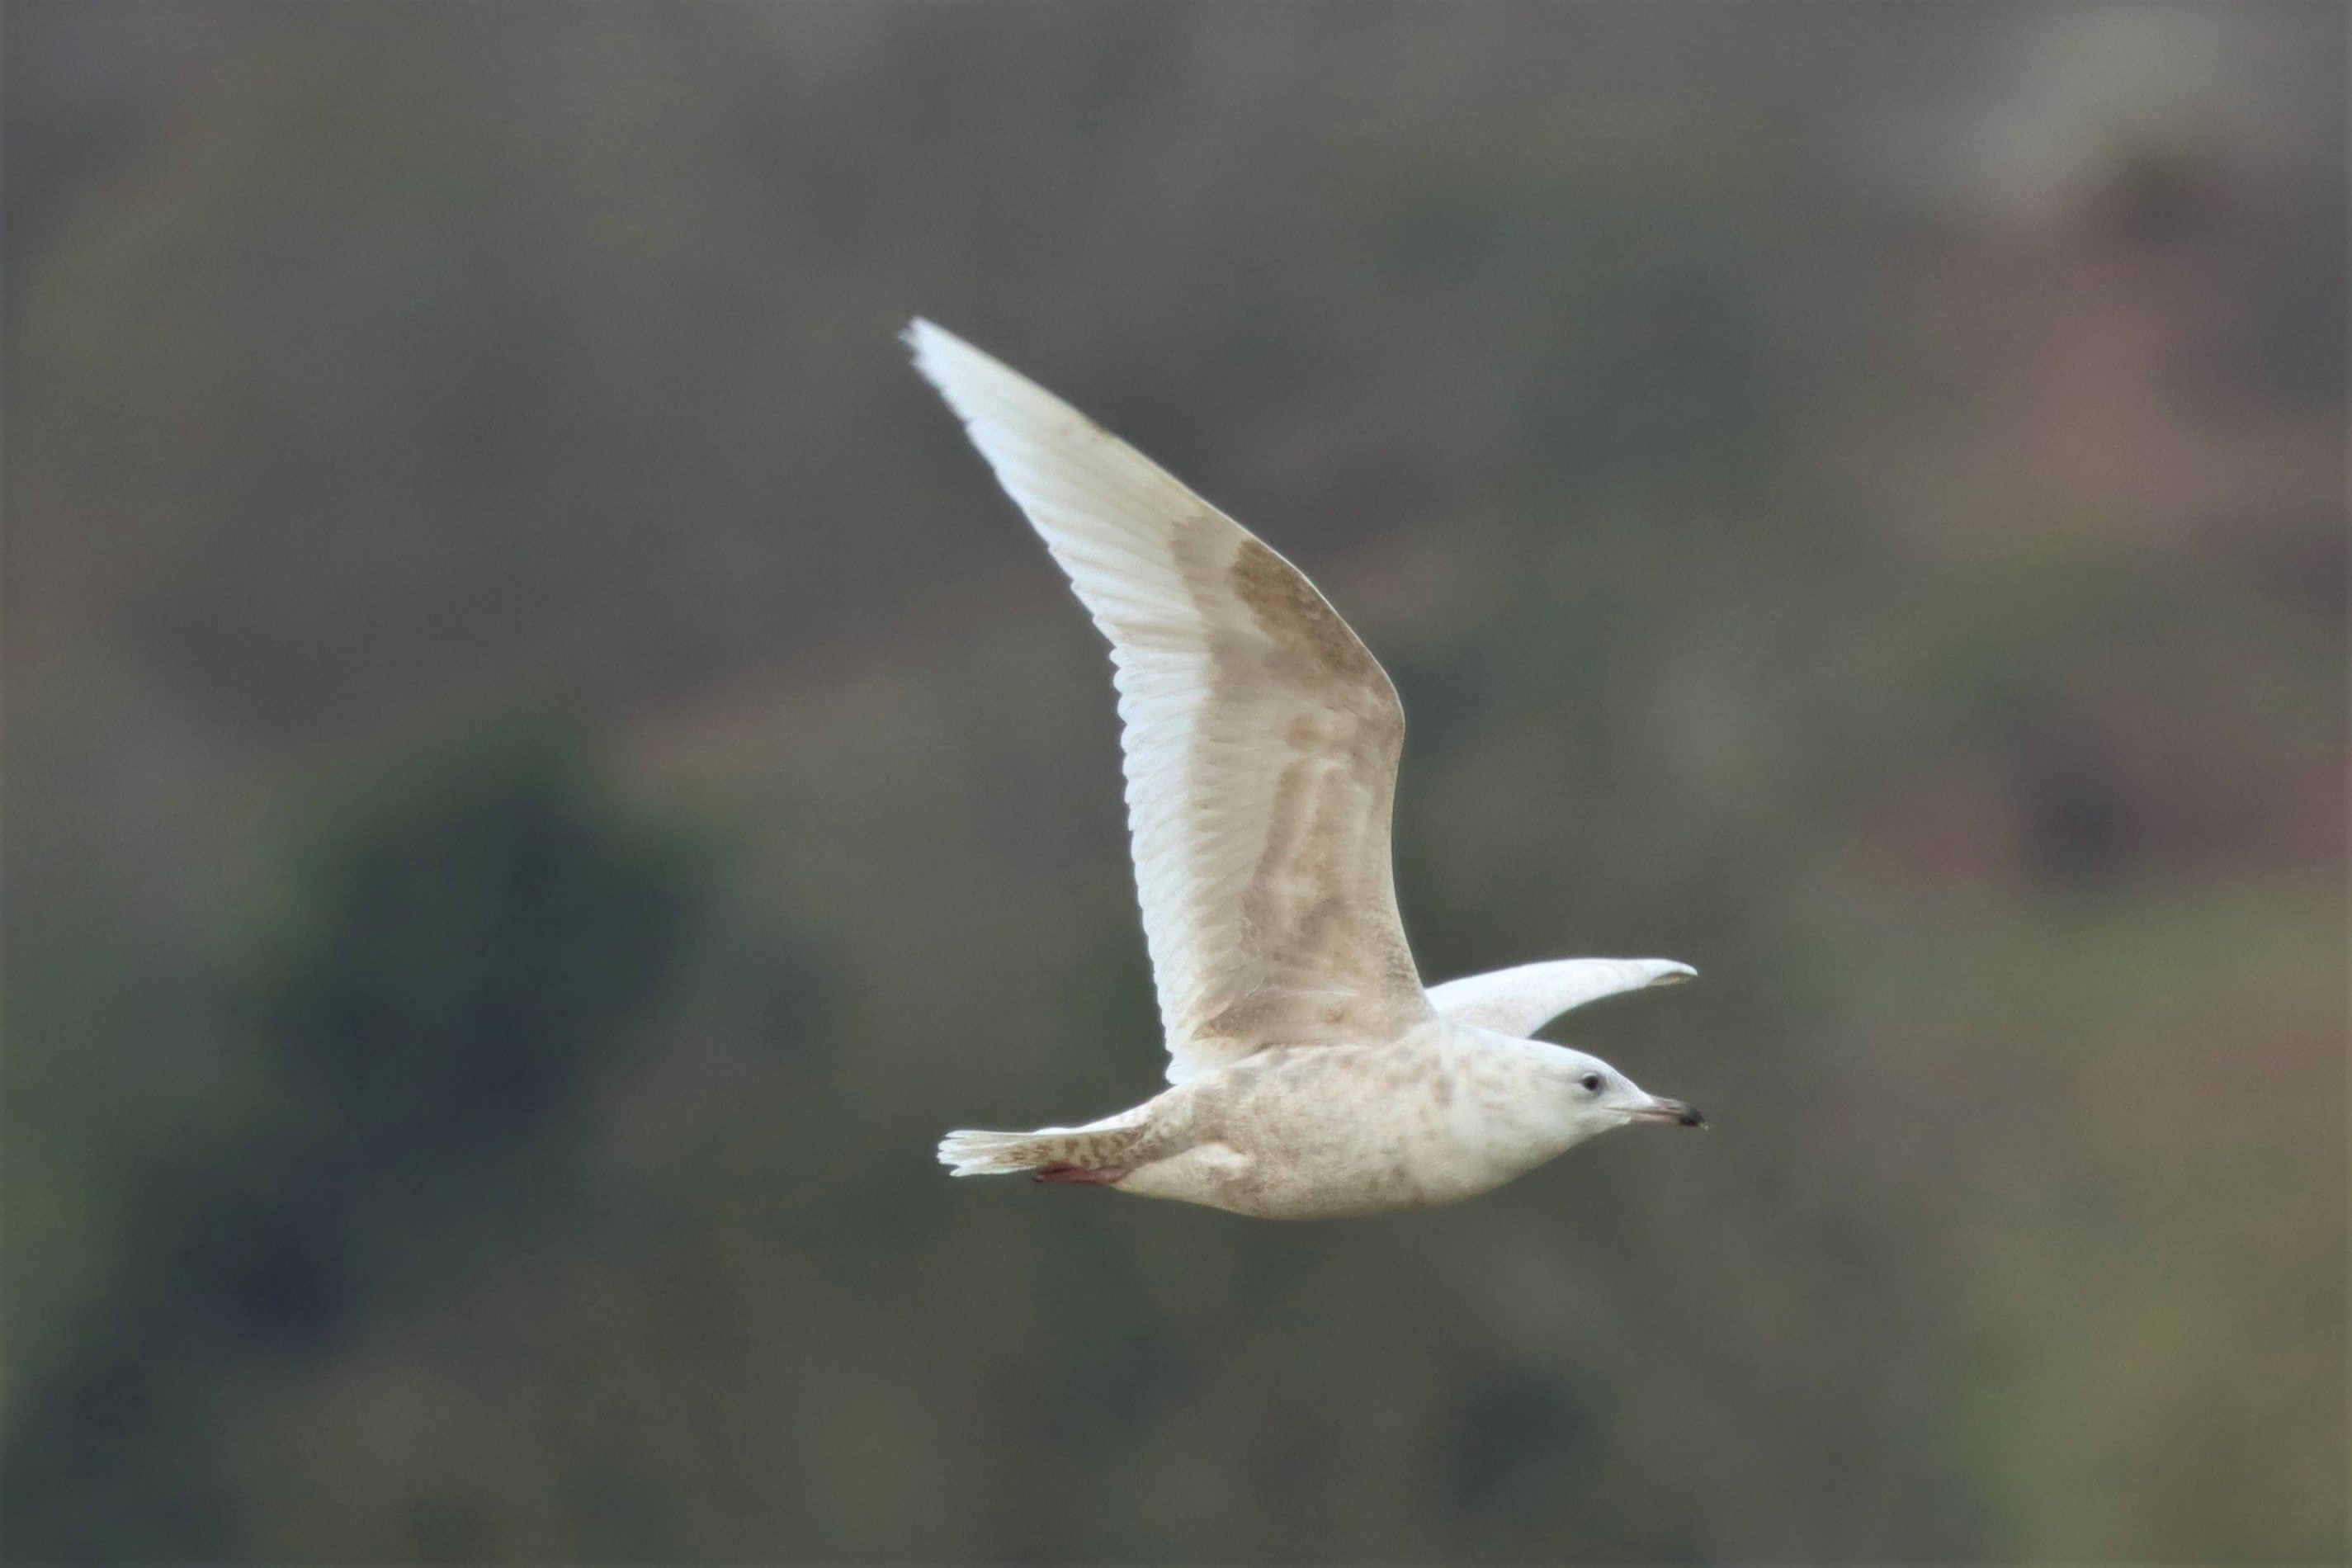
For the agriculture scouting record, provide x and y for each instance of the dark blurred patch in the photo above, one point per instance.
(2158, 191)
(464, 938)
(1511, 1428)
(2078, 827)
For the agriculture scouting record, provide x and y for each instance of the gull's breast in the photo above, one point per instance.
(1320, 1132)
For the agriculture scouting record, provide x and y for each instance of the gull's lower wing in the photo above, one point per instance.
(1518, 1001)
(1260, 736)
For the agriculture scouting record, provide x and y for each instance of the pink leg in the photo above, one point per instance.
(1102, 1178)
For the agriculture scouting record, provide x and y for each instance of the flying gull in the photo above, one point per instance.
(1311, 1073)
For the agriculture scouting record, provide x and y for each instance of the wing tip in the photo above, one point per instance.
(975, 384)
(926, 340)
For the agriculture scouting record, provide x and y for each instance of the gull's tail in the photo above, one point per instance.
(1104, 1147)
(970, 1153)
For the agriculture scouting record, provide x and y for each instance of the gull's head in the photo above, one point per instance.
(1592, 1097)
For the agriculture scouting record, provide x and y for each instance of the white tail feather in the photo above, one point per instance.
(969, 1153)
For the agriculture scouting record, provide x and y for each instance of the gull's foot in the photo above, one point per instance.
(1102, 1178)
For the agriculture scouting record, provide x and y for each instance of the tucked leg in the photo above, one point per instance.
(1099, 1178)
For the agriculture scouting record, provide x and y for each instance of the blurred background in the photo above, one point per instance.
(541, 773)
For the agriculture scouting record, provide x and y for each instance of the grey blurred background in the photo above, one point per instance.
(541, 773)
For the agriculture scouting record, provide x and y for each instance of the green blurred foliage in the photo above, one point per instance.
(464, 940)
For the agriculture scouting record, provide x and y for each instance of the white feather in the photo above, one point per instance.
(1522, 1000)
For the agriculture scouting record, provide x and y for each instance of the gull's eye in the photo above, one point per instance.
(1592, 1082)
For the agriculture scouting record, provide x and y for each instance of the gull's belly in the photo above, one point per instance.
(1320, 1133)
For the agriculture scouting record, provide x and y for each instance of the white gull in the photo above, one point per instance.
(1313, 1076)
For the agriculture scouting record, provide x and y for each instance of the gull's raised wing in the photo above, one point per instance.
(1518, 1001)
(1261, 737)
